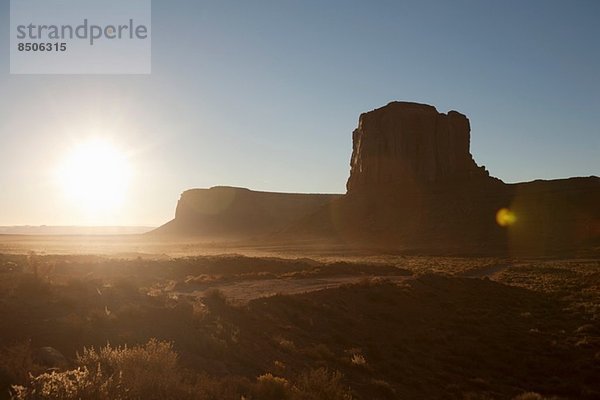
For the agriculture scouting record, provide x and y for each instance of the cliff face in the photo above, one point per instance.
(236, 213)
(409, 143)
(414, 185)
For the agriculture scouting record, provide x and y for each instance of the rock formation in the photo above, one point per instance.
(413, 186)
(237, 213)
(409, 143)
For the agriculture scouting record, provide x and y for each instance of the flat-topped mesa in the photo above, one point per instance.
(410, 143)
(229, 212)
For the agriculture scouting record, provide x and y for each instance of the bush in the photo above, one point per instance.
(320, 384)
(140, 372)
(316, 384)
(269, 387)
(75, 384)
(150, 372)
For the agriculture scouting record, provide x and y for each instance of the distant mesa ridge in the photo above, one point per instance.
(224, 212)
(413, 186)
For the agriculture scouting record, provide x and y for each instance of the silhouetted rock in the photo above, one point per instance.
(413, 186)
(555, 216)
(237, 213)
(408, 143)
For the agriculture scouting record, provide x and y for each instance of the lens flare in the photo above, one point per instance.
(505, 217)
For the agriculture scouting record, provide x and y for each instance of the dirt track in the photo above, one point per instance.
(244, 291)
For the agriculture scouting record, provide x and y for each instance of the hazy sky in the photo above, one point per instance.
(265, 95)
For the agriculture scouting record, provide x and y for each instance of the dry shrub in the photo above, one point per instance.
(149, 370)
(269, 387)
(140, 372)
(321, 384)
(316, 384)
(285, 344)
(358, 359)
(74, 384)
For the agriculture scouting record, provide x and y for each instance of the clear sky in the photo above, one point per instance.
(265, 95)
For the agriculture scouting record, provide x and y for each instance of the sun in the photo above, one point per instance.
(95, 176)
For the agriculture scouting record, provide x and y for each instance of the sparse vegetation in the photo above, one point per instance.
(151, 372)
(423, 336)
(321, 384)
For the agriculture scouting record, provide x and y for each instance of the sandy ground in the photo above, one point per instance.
(244, 291)
(132, 246)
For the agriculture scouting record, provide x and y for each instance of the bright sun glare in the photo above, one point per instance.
(95, 176)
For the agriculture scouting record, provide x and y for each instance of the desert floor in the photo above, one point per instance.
(374, 325)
